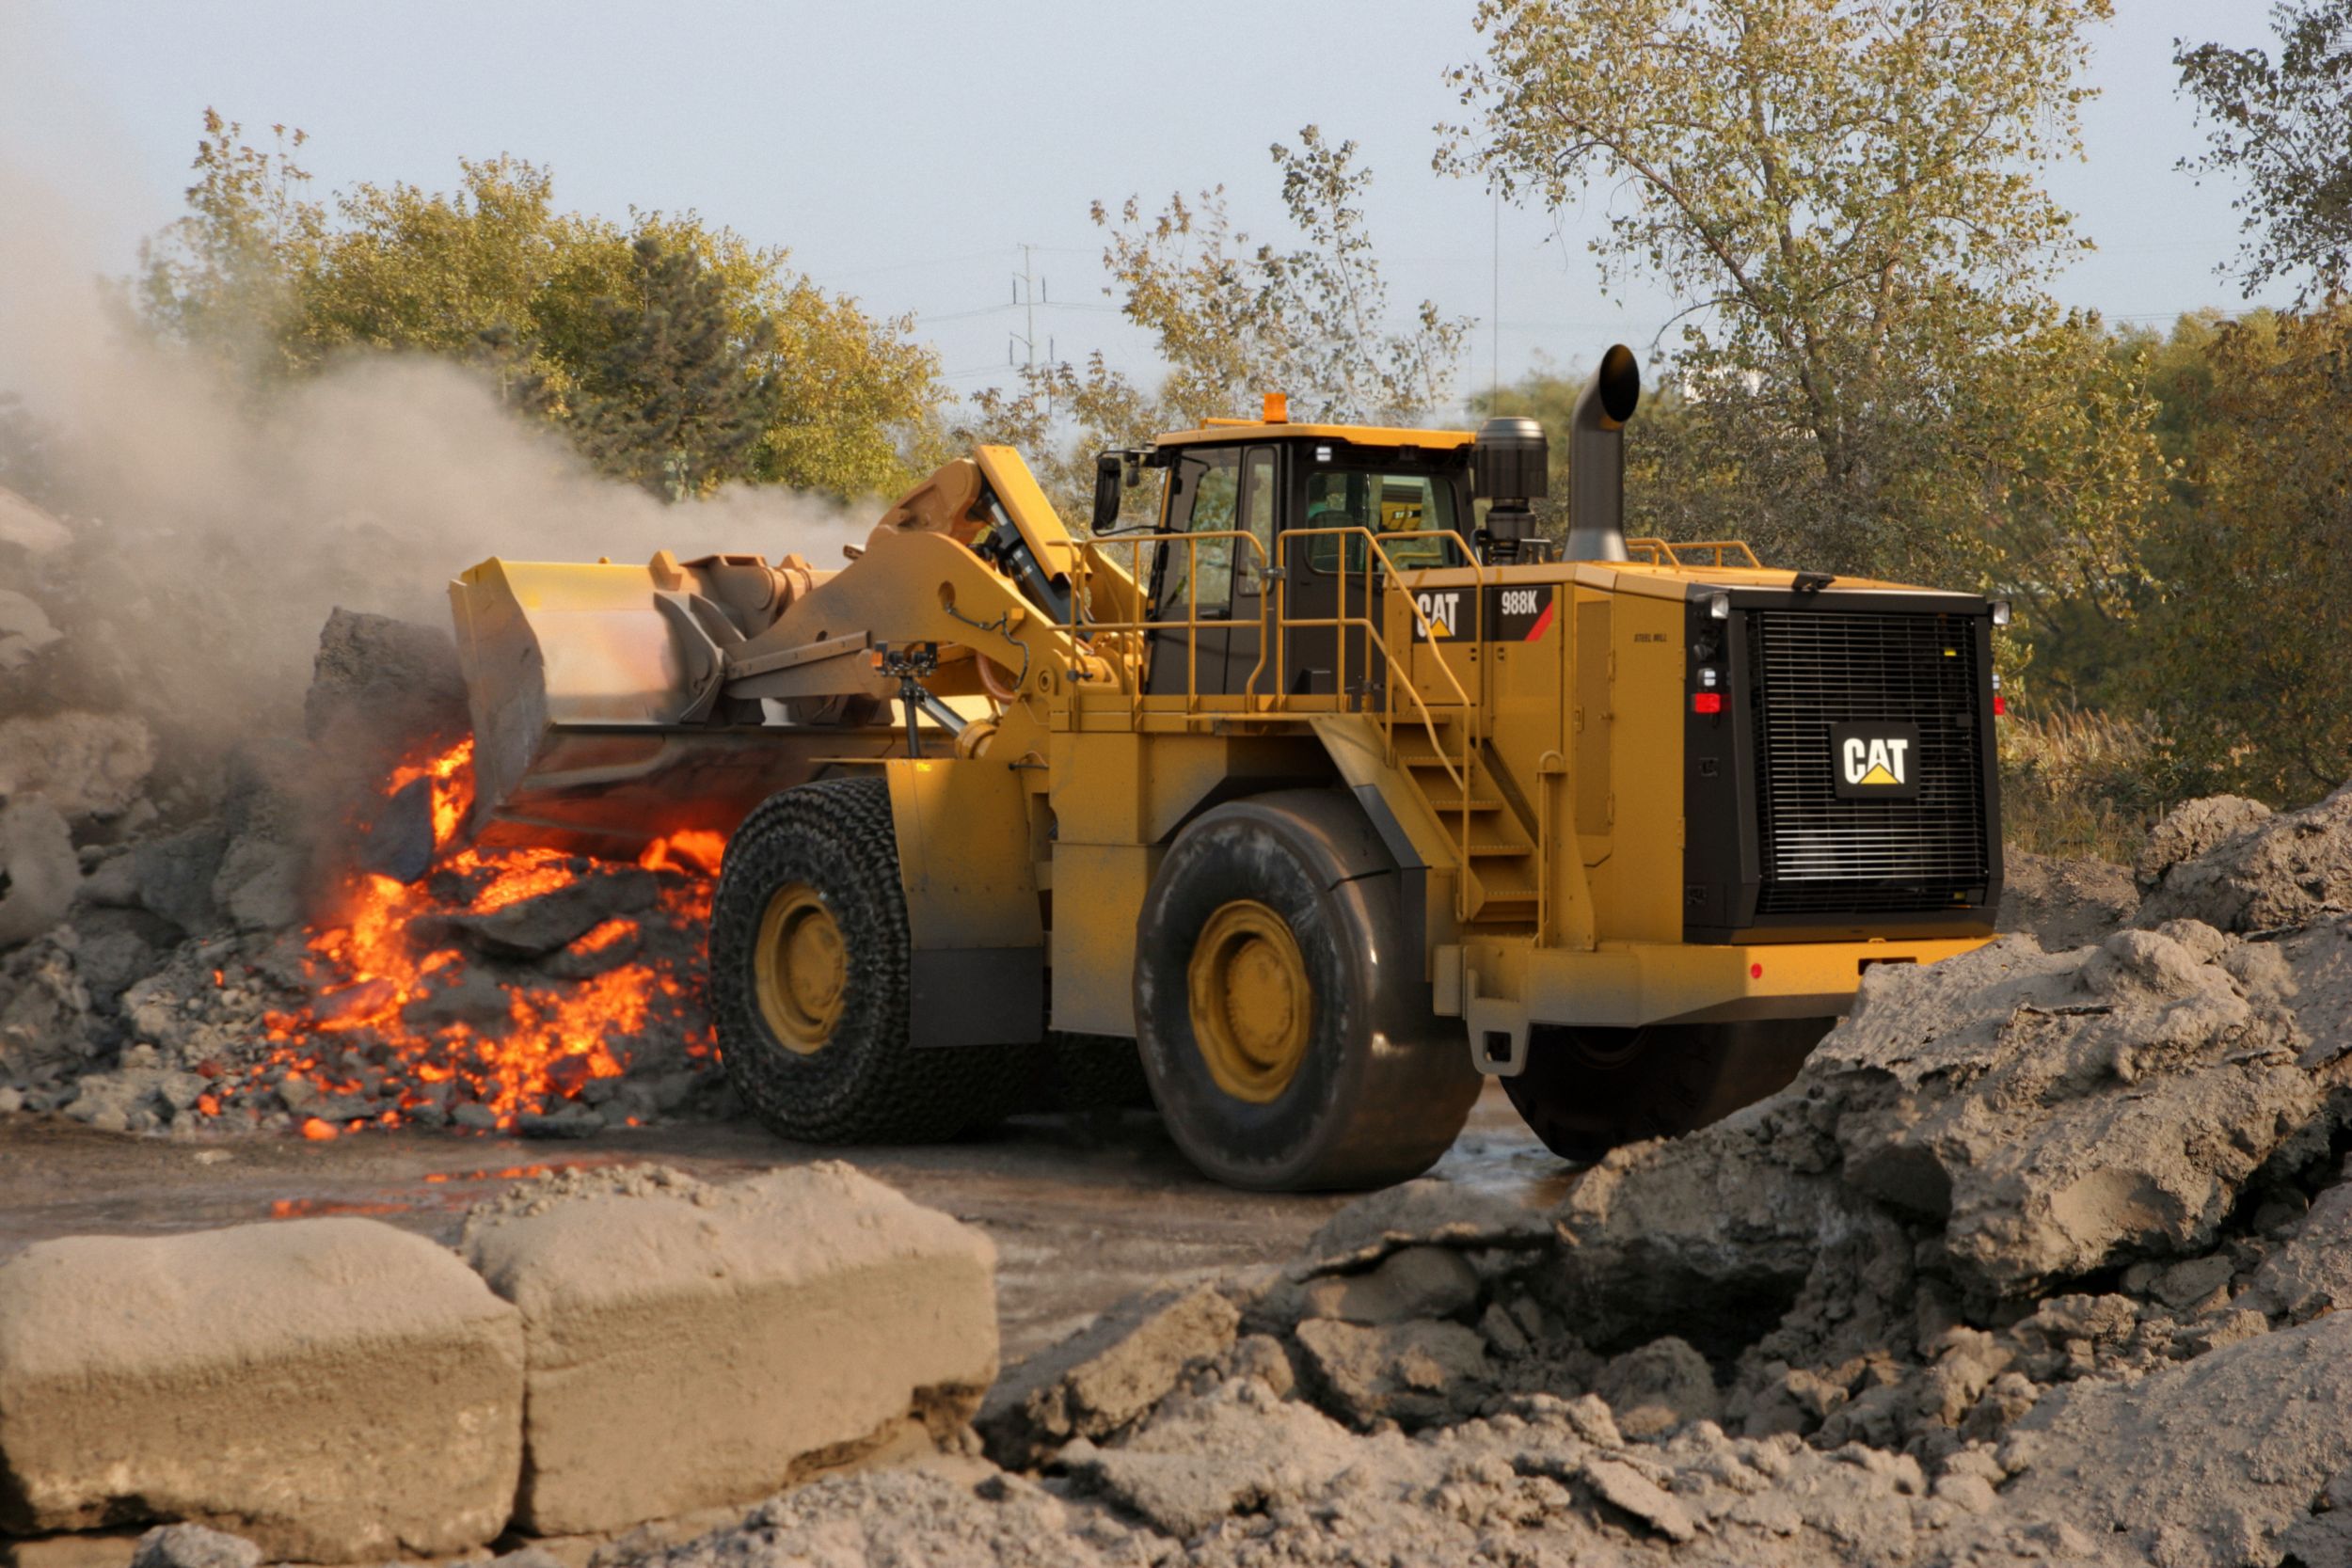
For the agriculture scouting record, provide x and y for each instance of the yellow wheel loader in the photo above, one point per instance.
(1335, 790)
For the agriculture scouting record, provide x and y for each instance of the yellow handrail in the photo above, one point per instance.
(1274, 622)
(1657, 553)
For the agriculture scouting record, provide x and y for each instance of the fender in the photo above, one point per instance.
(977, 938)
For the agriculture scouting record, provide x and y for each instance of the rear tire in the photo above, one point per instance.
(1585, 1091)
(1283, 1019)
(809, 960)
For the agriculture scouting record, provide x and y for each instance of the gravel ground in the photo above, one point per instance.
(1082, 1216)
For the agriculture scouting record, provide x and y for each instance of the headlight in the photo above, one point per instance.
(2000, 612)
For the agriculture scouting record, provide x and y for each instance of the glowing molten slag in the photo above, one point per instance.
(385, 954)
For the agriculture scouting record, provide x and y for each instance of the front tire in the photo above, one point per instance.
(809, 961)
(1585, 1091)
(1284, 1018)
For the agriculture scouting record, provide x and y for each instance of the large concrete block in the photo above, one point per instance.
(694, 1346)
(333, 1390)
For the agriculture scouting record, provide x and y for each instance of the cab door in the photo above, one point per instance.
(1194, 581)
(1316, 567)
(1245, 639)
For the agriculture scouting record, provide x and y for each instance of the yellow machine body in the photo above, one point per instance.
(1333, 791)
(1531, 785)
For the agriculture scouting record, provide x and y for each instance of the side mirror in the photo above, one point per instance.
(1110, 484)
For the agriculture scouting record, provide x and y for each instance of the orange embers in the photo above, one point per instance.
(385, 966)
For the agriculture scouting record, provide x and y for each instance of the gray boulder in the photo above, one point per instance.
(1416, 1375)
(1431, 1211)
(2064, 903)
(2310, 1273)
(89, 766)
(2219, 1461)
(1659, 1388)
(45, 1022)
(1417, 1282)
(1106, 1376)
(194, 1546)
(533, 928)
(2275, 874)
(40, 871)
(2191, 829)
(381, 687)
(2040, 1115)
(26, 630)
(174, 877)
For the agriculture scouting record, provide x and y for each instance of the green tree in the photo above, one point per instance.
(225, 278)
(2243, 653)
(1232, 321)
(1843, 193)
(2284, 127)
(675, 400)
(556, 305)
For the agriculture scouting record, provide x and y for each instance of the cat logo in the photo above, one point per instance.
(1442, 608)
(1875, 762)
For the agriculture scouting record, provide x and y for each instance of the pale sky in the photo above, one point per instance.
(905, 149)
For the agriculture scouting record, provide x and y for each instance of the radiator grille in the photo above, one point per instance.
(1821, 855)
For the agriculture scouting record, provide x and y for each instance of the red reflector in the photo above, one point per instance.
(2000, 705)
(1706, 701)
(1755, 972)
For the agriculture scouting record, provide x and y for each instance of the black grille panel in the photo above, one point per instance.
(1820, 855)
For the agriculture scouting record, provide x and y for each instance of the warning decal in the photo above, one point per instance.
(1517, 615)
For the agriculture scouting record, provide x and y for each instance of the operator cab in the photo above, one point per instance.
(1250, 494)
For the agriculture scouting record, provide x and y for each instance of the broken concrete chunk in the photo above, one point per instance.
(333, 1390)
(1416, 1375)
(1107, 1376)
(695, 1346)
(1417, 1282)
(1621, 1486)
(45, 1022)
(1430, 1211)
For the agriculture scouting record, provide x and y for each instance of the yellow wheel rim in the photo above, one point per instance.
(800, 968)
(1252, 1012)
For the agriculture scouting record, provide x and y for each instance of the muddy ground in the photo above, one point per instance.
(1083, 1214)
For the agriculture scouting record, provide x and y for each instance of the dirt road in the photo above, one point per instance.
(1081, 1217)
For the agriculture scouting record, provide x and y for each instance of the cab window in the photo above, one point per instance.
(1383, 503)
(1206, 488)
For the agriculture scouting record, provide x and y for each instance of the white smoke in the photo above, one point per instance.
(209, 538)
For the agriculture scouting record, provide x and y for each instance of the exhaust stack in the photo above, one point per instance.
(1596, 459)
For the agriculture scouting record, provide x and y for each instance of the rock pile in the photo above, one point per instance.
(181, 953)
(2039, 1259)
